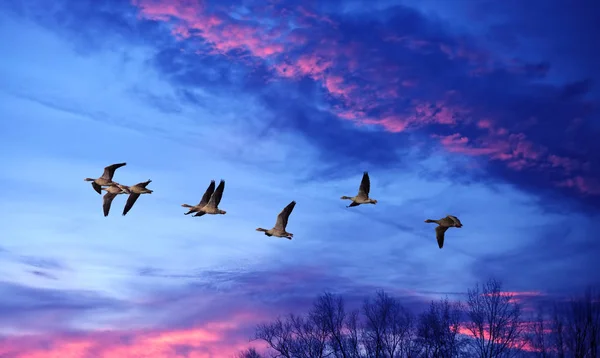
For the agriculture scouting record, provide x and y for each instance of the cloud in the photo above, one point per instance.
(284, 101)
(210, 340)
(26, 309)
(469, 98)
(342, 79)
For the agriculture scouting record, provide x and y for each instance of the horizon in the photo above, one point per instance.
(488, 113)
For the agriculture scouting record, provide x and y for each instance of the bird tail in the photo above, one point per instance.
(430, 221)
(186, 205)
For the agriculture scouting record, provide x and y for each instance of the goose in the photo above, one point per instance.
(205, 198)
(282, 219)
(106, 178)
(212, 207)
(135, 192)
(443, 225)
(363, 193)
(111, 192)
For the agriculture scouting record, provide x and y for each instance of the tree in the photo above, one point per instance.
(328, 330)
(325, 331)
(495, 321)
(387, 329)
(576, 326)
(249, 353)
(538, 336)
(438, 329)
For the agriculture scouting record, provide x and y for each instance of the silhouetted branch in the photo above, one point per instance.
(495, 320)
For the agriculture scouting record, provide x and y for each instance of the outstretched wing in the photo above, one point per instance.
(365, 186)
(130, 201)
(207, 194)
(439, 235)
(282, 218)
(106, 201)
(97, 187)
(144, 184)
(109, 171)
(215, 199)
(455, 220)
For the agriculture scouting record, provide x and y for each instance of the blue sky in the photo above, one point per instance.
(286, 102)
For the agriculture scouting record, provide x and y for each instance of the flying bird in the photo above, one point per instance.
(282, 219)
(205, 198)
(135, 192)
(106, 178)
(363, 193)
(111, 193)
(212, 207)
(443, 225)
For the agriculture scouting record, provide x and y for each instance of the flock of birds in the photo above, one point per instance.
(209, 204)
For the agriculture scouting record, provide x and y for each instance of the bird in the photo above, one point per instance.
(443, 225)
(363, 193)
(106, 178)
(212, 207)
(135, 192)
(205, 198)
(282, 219)
(111, 192)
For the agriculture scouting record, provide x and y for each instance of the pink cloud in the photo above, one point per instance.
(339, 69)
(582, 184)
(213, 339)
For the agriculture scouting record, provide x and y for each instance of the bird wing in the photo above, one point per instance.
(215, 198)
(207, 194)
(439, 235)
(455, 220)
(282, 218)
(97, 187)
(130, 201)
(365, 186)
(144, 184)
(106, 201)
(109, 171)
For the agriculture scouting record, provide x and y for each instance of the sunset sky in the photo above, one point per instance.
(486, 110)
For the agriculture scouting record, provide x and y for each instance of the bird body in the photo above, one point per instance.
(280, 225)
(443, 225)
(363, 193)
(134, 193)
(205, 199)
(212, 205)
(106, 178)
(111, 193)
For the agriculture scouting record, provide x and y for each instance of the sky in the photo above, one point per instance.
(486, 111)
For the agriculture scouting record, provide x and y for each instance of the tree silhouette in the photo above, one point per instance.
(438, 330)
(488, 325)
(494, 321)
(248, 353)
(388, 327)
(575, 327)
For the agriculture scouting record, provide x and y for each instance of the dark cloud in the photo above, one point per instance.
(554, 249)
(24, 307)
(392, 69)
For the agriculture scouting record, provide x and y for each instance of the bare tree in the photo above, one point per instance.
(326, 331)
(557, 334)
(387, 329)
(576, 326)
(538, 336)
(438, 329)
(249, 353)
(329, 312)
(572, 328)
(494, 321)
(278, 336)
